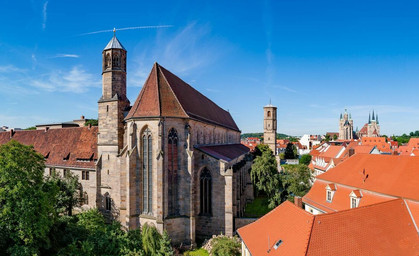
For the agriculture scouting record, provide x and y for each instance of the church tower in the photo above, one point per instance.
(269, 126)
(112, 106)
(346, 127)
(114, 100)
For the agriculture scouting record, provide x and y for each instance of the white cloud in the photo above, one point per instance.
(10, 68)
(63, 55)
(44, 15)
(76, 80)
(190, 48)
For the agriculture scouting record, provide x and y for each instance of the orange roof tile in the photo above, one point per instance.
(165, 94)
(80, 143)
(381, 229)
(287, 223)
(387, 174)
(316, 197)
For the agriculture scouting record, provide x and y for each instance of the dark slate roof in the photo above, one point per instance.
(227, 152)
(56, 144)
(114, 44)
(165, 94)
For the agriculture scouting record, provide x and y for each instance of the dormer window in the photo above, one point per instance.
(355, 197)
(330, 192)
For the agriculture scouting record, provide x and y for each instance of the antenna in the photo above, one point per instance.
(127, 28)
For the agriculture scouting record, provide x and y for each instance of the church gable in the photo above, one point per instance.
(165, 94)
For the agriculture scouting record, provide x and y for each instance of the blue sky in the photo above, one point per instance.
(313, 59)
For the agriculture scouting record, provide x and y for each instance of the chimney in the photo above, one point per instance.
(82, 117)
(351, 152)
(12, 133)
(90, 126)
(298, 201)
(46, 128)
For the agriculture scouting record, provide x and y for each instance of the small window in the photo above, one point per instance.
(269, 113)
(85, 175)
(354, 202)
(329, 196)
(108, 202)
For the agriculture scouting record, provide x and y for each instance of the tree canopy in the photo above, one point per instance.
(290, 151)
(305, 159)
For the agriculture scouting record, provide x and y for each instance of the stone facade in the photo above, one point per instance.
(137, 182)
(270, 126)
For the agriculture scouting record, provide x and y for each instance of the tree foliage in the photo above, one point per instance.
(93, 122)
(296, 180)
(26, 202)
(33, 220)
(69, 194)
(305, 159)
(290, 151)
(222, 246)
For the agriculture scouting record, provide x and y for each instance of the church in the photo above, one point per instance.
(173, 159)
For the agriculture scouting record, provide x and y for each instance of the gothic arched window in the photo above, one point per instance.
(85, 198)
(147, 172)
(172, 172)
(108, 202)
(205, 192)
(269, 113)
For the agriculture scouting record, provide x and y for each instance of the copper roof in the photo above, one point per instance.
(78, 144)
(165, 94)
(226, 152)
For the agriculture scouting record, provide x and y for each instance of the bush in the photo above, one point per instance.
(305, 159)
(226, 246)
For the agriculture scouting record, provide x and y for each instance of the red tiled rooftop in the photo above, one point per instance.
(80, 143)
(387, 174)
(165, 94)
(381, 229)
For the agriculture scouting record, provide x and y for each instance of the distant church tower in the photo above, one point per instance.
(269, 126)
(373, 125)
(112, 106)
(346, 127)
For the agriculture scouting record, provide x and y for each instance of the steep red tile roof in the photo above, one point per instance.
(165, 94)
(380, 229)
(57, 144)
(387, 174)
(286, 222)
(225, 152)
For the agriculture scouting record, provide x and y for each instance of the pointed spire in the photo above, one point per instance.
(373, 116)
(114, 43)
(376, 118)
(340, 116)
(369, 118)
(350, 117)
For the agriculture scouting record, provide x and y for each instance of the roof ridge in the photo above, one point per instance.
(170, 87)
(310, 233)
(194, 89)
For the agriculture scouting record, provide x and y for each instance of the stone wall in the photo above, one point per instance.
(241, 222)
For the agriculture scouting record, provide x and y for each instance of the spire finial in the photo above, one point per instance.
(114, 30)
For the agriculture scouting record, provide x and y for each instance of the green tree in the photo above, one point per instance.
(289, 151)
(151, 240)
(265, 175)
(335, 137)
(30, 128)
(327, 137)
(222, 246)
(93, 122)
(305, 159)
(69, 192)
(165, 249)
(296, 180)
(26, 201)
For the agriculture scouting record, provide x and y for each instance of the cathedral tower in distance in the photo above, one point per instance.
(269, 126)
(346, 127)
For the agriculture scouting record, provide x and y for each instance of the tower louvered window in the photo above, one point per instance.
(205, 192)
(173, 172)
(147, 172)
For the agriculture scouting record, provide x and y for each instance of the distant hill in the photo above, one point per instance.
(260, 135)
